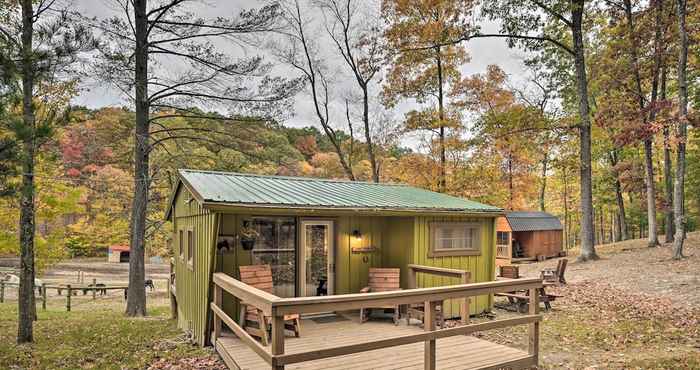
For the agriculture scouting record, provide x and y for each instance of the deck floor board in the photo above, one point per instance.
(457, 352)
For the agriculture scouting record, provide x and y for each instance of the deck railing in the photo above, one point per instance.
(503, 251)
(277, 307)
(463, 276)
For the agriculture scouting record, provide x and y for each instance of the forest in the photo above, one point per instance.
(599, 129)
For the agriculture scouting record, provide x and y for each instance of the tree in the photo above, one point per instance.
(38, 46)
(357, 37)
(425, 63)
(522, 23)
(641, 99)
(297, 50)
(138, 45)
(681, 132)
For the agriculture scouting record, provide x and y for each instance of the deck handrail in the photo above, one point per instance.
(463, 276)
(277, 307)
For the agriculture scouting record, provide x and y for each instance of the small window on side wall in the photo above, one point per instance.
(502, 238)
(454, 239)
(181, 244)
(190, 248)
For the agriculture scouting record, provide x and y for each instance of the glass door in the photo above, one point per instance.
(317, 266)
(276, 247)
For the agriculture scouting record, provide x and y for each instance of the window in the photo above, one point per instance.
(454, 239)
(276, 246)
(190, 248)
(502, 238)
(181, 244)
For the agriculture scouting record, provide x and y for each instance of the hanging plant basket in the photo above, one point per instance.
(247, 244)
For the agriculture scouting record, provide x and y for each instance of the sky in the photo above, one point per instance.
(482, 52)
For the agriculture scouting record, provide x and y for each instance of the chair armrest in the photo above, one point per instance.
(365, 290)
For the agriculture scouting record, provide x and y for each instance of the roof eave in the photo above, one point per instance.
(181, 180)
(216, 205)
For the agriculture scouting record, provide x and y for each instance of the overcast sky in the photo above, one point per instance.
(482, 52)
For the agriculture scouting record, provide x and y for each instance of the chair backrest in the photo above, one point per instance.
(561, 270)
(384, 279)
(258, 276)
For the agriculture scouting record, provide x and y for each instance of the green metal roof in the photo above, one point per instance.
(238, 189)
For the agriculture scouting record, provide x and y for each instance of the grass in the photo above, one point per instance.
(94, 338)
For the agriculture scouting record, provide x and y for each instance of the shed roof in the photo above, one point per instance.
(249, 190)
(533, 221)
(119, 248)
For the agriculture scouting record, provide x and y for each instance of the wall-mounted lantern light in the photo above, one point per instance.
(356, 234)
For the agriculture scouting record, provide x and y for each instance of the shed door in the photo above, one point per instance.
(317, 267)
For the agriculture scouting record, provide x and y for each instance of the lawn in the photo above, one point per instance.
(99, 336)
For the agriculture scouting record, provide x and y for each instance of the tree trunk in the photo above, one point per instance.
(136, 295)
(368, 135)
(442, 180)
(653, 239)
(25, 331)
(669, 226)
(566, 209)
(622, 217)
(587, 248)
(511, 186)
(682, 132)
(648, 144)
(543, 187)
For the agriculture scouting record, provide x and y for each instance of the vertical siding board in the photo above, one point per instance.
(478, 266)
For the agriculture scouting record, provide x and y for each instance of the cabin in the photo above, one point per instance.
(320, 239)
(118, 253)
(538, 235)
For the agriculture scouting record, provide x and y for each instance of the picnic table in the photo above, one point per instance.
(520, 298)
(550, 277)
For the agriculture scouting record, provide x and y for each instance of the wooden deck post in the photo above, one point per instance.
(70, 293)
(412, 278)
(94, 289)
(277, 339)
(464, 305)
(429, 325)
(217, 319)
(534, 328)
(43, 296)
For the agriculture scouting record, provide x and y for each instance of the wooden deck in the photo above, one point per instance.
(456, 352)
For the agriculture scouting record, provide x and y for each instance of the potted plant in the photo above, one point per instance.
(248, 236)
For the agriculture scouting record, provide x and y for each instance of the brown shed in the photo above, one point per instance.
(537, 234)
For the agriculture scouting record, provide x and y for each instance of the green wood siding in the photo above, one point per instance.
(192, 283)
(481, 267)
(398, 241)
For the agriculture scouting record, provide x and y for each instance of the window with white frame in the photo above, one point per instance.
(190, 248)
(454, 239)
(502, 238)
(181, 244)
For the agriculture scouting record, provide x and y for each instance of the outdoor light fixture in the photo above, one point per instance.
(357, 235)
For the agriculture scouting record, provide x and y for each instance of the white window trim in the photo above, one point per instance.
(434, 251)
(191, 256)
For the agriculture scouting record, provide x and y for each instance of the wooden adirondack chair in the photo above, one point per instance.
(382, 280)
(260, 277)
(556, 276)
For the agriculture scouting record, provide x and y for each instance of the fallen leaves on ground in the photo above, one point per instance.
(191, 363)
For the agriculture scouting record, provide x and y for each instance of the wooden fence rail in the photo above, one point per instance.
(277, 307)
(69, 288)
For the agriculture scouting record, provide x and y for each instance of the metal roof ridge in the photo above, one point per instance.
(295, 178)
